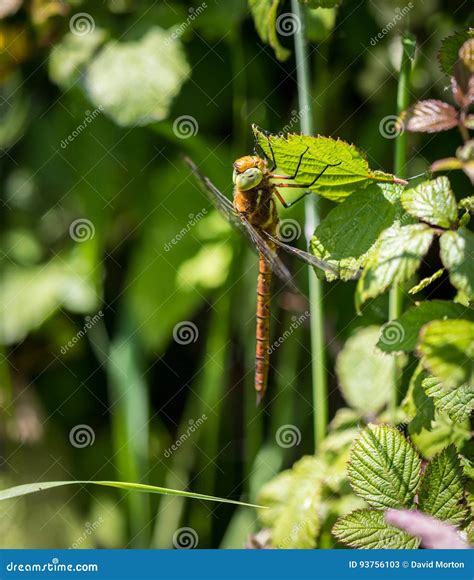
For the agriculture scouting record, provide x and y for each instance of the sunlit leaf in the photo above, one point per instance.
(432, 202)
(457, 252)
(342, 240)
(431, 116)
(417, 404)
(384, 468)
(447, 350)
(441, 492)
(368, 529)
(425, 282)
(466, 54)
(155, 66)
(294, 499)
(441, 432)
(28, 488)
(457, 403)
(351, 170)
(264, 14)
(359, 360)
(397, 257)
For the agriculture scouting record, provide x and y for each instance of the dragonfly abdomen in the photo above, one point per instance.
(262, 355)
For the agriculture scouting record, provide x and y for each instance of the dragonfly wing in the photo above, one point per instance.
(218, 199)
(308, 258)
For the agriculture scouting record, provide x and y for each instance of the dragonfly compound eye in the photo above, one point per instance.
(248, 179)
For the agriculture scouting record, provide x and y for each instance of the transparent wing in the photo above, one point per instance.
(259, 243)
(308, 258)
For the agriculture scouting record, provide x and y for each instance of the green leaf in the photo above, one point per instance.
(422, 284)
(264, 14)
(365, 374)
(433, 202)
(447, 351)
(336, 183)
(28, 488)
(457, 403)
(457, 255)
(294, 499)
(368, 529)
(398, 255)
(155, 66)
(402, 334)
(441, 492)
(384, 468)
(442, 431)
(449, 52)
(320, 3)
(417, 404)
(346, 235)
(72, 54)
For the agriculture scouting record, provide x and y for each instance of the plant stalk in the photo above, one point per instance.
(318, 367)
(395, 308)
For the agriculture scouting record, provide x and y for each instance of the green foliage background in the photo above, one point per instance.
(155, 255)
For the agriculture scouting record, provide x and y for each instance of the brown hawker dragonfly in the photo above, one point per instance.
(254, 212)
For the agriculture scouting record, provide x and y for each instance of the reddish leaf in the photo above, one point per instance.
(466, 54)
(431, 116)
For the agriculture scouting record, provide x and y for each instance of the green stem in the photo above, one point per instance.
(319, 378)
(400, 168)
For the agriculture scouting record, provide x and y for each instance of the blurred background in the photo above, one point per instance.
(127, 304)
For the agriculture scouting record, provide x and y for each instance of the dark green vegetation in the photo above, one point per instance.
(128, 304)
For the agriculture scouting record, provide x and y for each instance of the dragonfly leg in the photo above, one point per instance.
(284, 203)
(296, 170)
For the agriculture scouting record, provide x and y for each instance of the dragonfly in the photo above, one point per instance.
(254, 212)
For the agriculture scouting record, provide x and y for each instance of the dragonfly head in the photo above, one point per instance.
(248, 172)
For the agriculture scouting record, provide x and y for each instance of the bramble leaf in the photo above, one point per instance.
(433, 202)
(264, 14)
(402, 334)
(449, 51)
(351, 170)
(431, 116)
(457, 255)
(340, 239)
(417, 404)
(447, 351)
(422, 284)
(396, 258)
(156, 68)
(441, 492)
(359, 360)
(368, 529)
(294, 498)
(457, 403)
(384, 468)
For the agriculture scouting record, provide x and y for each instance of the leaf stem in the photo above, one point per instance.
(319, 377)
(400, 170)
